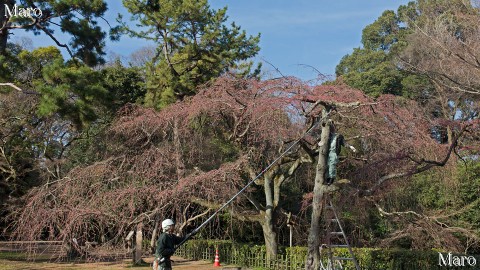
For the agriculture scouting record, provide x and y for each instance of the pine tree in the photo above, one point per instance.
(75, 17)
(74, 91)
(194, 46)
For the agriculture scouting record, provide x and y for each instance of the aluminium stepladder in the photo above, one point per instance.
(336, 238)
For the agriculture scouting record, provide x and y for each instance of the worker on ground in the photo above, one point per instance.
(166, 246)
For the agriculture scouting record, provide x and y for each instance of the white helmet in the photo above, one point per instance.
(167, 223)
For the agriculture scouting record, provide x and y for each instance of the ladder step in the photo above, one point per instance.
(337, 233)
(333, 220)
(339, 246)
(342, 259)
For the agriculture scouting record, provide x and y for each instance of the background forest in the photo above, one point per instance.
(92, 149)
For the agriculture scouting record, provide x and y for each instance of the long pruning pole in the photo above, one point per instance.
(195, 231)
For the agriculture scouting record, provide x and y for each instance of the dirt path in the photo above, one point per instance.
(183, 264)
(179, 264)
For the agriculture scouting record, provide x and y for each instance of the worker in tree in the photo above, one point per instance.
(335, 143)
(166, 246)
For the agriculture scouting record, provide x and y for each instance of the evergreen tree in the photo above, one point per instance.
(75, 17)
(124, 84)
(374, 68)
(194, 46)
(70, 89)
(74, 91)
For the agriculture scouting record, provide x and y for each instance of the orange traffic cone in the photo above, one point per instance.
(217, 259)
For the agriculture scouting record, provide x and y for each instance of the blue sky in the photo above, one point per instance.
(306, 32)
(294, 33)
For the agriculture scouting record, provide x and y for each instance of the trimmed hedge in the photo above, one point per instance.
(254, 256)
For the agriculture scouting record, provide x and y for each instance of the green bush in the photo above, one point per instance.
(254, 256)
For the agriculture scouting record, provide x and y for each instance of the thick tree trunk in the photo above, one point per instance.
(137, 256)
(270, 235)
(314, 236)
(267, 225)
(272, 182)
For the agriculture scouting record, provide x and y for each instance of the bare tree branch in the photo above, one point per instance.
(425, 165)
(13, 86)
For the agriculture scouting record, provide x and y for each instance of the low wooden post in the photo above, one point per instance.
(290, 224)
